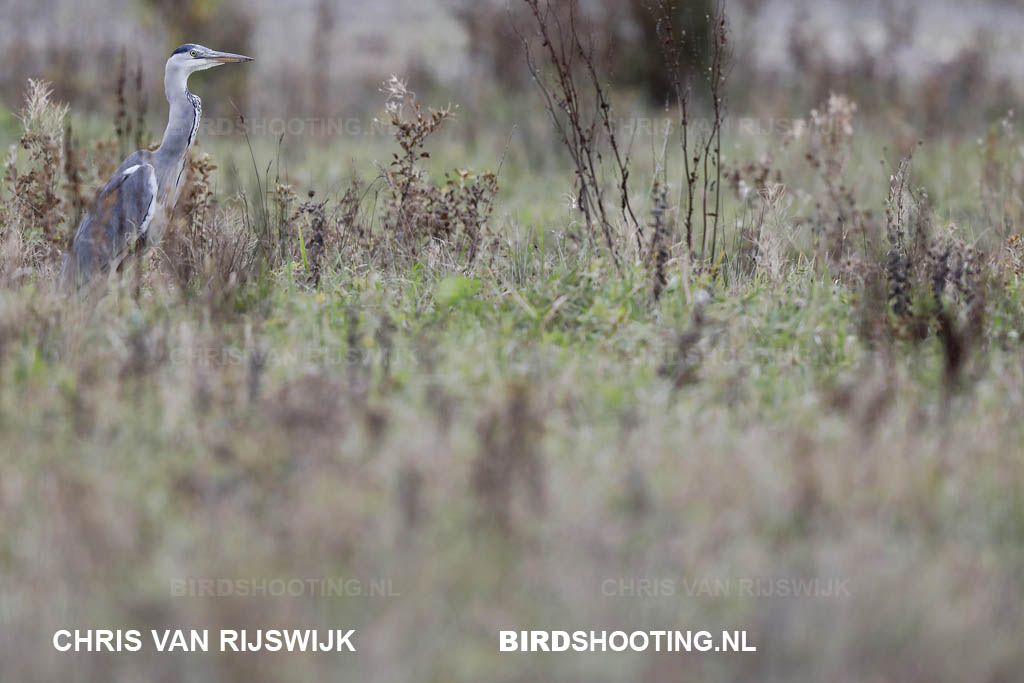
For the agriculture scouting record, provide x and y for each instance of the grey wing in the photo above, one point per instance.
(121, 213)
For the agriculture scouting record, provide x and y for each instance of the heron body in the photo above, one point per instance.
(137, 203)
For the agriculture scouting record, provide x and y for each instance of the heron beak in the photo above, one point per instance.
(227, 58)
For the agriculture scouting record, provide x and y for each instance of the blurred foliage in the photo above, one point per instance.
(641, 61)
(214, 23)
(184, 21)
(624, 37)
(9, 124)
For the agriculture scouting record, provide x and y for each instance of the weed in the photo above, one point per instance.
(659, 252)
(418, 213)
(508, 458)
(35, 194)
(580, 112)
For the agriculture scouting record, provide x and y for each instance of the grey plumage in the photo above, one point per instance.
(138, 201)
(120, 214)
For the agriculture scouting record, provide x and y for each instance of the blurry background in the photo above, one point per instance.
(931, 63)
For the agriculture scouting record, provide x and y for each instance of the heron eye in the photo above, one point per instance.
(194, 53)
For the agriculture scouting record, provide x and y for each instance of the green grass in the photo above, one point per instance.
(342, 432)
(126, 469)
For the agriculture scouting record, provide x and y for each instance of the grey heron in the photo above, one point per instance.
(138, 202)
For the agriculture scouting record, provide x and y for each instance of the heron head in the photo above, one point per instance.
(191, 57)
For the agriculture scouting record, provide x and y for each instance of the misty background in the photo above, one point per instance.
(937, 65)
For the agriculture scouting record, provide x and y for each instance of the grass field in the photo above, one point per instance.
(466, 409)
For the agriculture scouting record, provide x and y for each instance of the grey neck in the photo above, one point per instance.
(181, 124)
